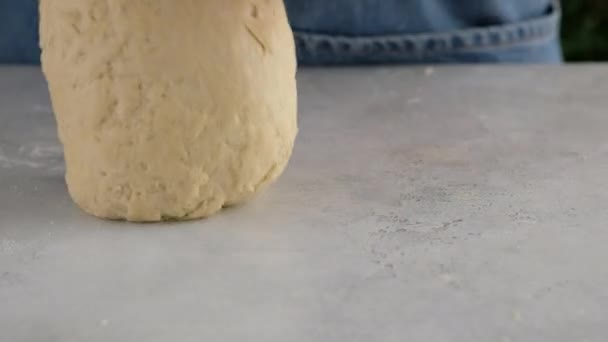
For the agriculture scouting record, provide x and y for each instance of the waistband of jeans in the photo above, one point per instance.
(326, 47)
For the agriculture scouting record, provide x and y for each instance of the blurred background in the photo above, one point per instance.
(585, 30)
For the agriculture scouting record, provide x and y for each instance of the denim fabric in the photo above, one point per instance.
(426, 31)
(19, 31)
(374, 31)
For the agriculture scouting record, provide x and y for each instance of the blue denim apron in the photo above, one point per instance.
(426, 31)
(374, 31)
(19, 31)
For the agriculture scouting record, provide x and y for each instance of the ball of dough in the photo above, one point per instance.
(170, 110)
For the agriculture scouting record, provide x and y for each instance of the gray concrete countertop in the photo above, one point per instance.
(446, 204)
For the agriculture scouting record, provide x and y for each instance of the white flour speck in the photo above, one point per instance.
(8, 247)
(12, 162)
(516, 316)
(44, 151)
(42, 109)
(34, 156)
(447, 278)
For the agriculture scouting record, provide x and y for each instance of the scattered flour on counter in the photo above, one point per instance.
(517, 315)
(34, 156)
(9, 279)
(46, 151)
(15, 189)
(415, 100)
(10, 163)
(42, 109)
(8, 247)
(58, 169)
(447, 278)
(30, 250)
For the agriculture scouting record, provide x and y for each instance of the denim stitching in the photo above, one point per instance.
(412, 46)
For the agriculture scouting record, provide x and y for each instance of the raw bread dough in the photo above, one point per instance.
(170, 109)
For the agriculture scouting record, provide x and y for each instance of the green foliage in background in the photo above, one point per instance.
(585, 30)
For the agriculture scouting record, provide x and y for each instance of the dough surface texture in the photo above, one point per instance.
(170, 109)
